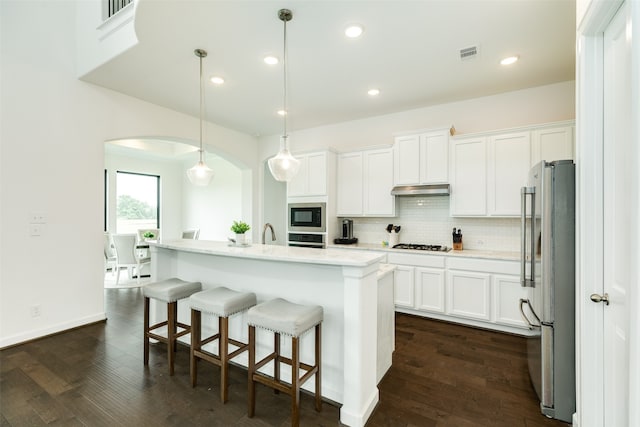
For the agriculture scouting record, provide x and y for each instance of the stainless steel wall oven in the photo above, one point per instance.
(307, 217)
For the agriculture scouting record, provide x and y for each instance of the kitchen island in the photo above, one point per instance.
(343, 282)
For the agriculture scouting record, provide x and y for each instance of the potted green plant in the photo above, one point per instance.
(149, 235)
(239, 228)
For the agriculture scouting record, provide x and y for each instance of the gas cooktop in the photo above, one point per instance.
(420, 247)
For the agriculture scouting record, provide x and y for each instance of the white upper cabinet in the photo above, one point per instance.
(509, 164)
(407, 160)
(488, 170)
(554, 143)
(422, 158)
(469, 177)
(311, 179)
(365, 180)
(350, 201)
(434, 157)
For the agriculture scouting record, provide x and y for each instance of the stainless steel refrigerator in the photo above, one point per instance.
(548, 269)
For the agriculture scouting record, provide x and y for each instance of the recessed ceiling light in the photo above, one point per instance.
(271, 60)
(509, 60)
(282, 113)
(217, 80)
(353, 31)
(373, 92)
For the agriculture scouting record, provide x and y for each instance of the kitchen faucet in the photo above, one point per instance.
(264, 230)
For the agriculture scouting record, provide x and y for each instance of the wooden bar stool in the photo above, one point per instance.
(283, 317)
(223, 303)
(169, 291)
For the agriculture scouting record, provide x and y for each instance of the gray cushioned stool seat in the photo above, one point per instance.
(222, 302)
(171, 290)
(279, 315)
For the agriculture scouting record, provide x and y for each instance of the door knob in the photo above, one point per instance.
(600, 298)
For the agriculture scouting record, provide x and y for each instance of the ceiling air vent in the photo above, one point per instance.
(468, 53)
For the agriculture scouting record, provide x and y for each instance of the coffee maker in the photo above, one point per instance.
(347, 233)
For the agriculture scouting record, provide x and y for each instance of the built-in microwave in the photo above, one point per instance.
(307, 217)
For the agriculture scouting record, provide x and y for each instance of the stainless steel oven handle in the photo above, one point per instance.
(524, 316)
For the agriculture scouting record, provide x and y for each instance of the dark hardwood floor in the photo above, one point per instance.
(442, 375)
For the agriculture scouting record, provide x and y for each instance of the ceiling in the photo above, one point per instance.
(409, 51)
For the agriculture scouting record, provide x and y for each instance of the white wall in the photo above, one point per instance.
(542, 104)
(213, 209)
(52, 162)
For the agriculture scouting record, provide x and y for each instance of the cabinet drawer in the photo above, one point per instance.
(484, 265)
(417, 260)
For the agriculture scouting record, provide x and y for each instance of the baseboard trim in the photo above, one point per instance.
(37, 334)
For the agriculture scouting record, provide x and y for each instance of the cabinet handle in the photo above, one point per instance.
(524, 192)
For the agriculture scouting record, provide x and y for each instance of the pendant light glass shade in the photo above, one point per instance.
(283, 166)
(200, 174)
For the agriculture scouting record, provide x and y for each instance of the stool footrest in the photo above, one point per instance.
(264, 361)
(212, 338)
(243, 347)
(310, 370)
(158, 325)
(215, 358)
(271, 382)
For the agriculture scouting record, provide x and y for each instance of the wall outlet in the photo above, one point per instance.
(36, 229)
(35, 310)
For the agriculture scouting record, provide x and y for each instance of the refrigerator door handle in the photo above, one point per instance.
(524, 316)
(524, 281)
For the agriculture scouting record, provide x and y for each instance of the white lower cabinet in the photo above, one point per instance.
(507, 293)
(475, 291)
(469, 294)
(429, 286)
(403, 286)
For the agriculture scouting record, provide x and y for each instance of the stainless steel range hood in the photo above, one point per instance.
(421, 190)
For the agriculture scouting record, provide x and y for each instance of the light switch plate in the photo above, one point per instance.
(37, 218)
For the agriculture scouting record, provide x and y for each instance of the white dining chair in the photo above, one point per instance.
(109, 254)
(126, 256)
(191, 234)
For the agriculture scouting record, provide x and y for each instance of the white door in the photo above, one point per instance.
(620, 197)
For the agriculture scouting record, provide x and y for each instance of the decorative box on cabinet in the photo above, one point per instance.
(365, 180)
(422, 158)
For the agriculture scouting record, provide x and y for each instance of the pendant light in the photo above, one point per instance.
(284, 166)
(200, 174)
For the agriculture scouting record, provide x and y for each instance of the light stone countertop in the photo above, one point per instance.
(331, 256)
(468, 253)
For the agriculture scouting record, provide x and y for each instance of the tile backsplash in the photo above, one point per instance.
(427, 220)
